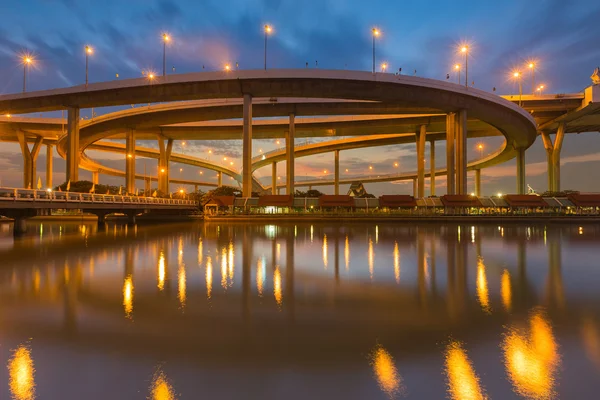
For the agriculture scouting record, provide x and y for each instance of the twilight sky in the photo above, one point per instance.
(417, 35)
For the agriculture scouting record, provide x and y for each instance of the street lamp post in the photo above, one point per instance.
(165, 40)
(383, 67)
(375, 34)
(88, 51)
(532, 69)
(465, 50)
(541, 89)
(480, 148)
(517, 76)
(268, 30)
(26, 61)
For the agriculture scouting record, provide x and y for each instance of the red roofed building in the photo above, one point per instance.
(331, 200)
(397, 201)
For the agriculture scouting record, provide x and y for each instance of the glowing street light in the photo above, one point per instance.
(480, 148)
(541, 89)
(465, 49)
(26, 60)
(531, 65)
(165, 38)
(517, 75)
(268, 30)
(227, 67)
(88, 51)
(396, 165)
(376, 33)
(370, 167)
(162, 170)
(384, 67)
(457, 69)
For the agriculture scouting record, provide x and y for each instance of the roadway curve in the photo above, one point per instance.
(360, 92)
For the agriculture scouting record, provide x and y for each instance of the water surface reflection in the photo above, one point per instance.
(291, 310)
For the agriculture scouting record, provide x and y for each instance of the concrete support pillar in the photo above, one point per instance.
(247, 147)
(432, 168)
(336, 170)
(274, 178)
(420, 137)
(49, 164)
(29, 159)
(163, 164)
(289, 144)
(461, 152)
(73, 144)
(553, 156)
(549, 146)
(521, 171)
(219, 179)
(558, 141)
(147, 186)
(415, 187)
(95, 177)
(130, 161)
(478, 182)
(450, 127)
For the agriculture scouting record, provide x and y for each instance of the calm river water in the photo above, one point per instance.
(300, 311)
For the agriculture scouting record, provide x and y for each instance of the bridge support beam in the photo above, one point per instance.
(553, 156)
(521, 171)
(450, 127)
(336, 172)
(432, 168)
(219, 179)
(130, 161)
(49, 165)
(289, 165)
(95, 177)
(247, 147)
(478, 182)
(420, 137)
(274, 178)
(415, 187)
(163, 164)
(461, 152)
(73, 144)
(29, 159)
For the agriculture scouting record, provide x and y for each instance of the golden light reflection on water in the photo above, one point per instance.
(160, 388)
(230, 260)
(506, 290)
(224, 268)
(260, 276)
(324, 251)
(531, 363)
(347, 253)
(386, 373)
(128, 296)
(21, 374)
(482, 287)
(209, 277)
(277, 286)
(463, 382)
(371, 255)
(181, 286)
(161, 271)
(396, 262)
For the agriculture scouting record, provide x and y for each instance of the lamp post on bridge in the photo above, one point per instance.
(517, 75)
(165, 38)
(465, 49)
(376, 33)
(268, 30)
(88, 51)
(457, 69)
(531, 66)
(27, 60)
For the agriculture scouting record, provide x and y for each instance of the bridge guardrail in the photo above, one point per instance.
(33, 195)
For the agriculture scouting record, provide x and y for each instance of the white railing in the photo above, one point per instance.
(32, 195)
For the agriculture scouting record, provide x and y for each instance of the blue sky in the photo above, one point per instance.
(417, 35)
